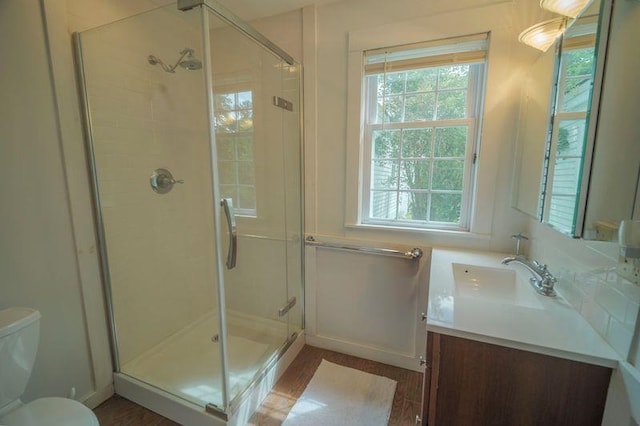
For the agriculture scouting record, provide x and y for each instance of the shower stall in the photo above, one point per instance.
(193, 123)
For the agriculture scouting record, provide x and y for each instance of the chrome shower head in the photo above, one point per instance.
(187, 61)
(191, 64)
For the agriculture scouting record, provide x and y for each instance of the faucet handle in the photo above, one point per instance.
(519, 237)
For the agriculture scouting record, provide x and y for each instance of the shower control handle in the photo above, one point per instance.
(227, 205)
(162, 181)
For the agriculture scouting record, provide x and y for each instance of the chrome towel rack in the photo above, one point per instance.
(413, 254)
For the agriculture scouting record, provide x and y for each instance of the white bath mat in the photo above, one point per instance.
(341, 396)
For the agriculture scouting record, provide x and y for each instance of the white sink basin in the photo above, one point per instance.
(484, 282)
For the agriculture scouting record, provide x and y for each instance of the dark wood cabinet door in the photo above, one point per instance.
(474, 383)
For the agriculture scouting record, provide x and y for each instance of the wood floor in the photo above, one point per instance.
(274, 409)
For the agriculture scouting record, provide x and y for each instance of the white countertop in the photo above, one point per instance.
(525, 320)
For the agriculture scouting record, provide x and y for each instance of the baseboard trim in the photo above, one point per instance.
(93, 399)
(366, 352)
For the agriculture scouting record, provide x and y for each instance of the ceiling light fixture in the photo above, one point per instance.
(541, 36)
(570, 8)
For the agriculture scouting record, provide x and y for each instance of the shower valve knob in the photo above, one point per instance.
(162, 181)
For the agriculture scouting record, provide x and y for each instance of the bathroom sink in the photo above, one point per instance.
(484, 282)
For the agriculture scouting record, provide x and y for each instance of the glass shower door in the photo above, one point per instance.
(148, 125)
(253, 167)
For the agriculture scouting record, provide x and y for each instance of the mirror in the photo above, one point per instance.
(533, 130)
(576, 168)
(573, 118)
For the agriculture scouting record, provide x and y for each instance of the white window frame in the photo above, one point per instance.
(473, 121)
(235, 89)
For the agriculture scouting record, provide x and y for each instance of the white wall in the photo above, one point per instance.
(39, 265)
(326, 93)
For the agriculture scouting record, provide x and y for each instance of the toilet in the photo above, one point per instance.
(19, 332)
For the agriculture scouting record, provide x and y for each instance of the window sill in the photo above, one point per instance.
(439, 236)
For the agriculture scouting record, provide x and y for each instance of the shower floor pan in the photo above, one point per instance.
(188, 365)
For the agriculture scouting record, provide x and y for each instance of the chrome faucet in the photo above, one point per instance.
(542, 280)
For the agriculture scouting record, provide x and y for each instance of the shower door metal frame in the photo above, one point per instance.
(237, 23)
(95, 186)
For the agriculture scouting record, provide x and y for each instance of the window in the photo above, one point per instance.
(234, 138)
(568, 137)
(421, 123)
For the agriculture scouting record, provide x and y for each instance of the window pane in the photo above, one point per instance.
(229, 191)
(416, 143)
(571, 137)
(422, 80)
(446, 207)
(578, 67)
(566, 174)
(234, 139)
(247, 197)
(227, 172)
(394, 83)
(415, 174)
(451, 141)
(448, 174)
(245, 100)
(413, 206)
(245, 173)
(244, 146)
(392, 107)
(386, 144)
(451, 105)
(245, 120)
(561, 212)
(224, 101)
(419, 106)
(579, 61)
(577, 94)
(383, 205)
(453, 77)
(226, 149)
(226, 121)
(384, 174)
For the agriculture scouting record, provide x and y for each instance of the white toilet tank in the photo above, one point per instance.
(19, 331)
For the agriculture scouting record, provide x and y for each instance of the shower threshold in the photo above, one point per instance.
(181, 375)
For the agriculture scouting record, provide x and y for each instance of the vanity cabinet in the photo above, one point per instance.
(467, 382)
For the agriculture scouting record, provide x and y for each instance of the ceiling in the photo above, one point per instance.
(254, 9)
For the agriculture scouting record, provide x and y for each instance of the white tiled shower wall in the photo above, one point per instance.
(159, 246)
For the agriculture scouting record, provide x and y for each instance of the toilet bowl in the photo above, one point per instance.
(19, 332)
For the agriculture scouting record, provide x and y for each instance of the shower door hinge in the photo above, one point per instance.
(282, 103)
(216, 411)
(286, 308)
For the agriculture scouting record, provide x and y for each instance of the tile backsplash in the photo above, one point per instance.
(607, 301)
(588, 279)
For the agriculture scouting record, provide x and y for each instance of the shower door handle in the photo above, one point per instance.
(227, 204)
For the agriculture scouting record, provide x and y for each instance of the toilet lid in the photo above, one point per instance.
(51, 412)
